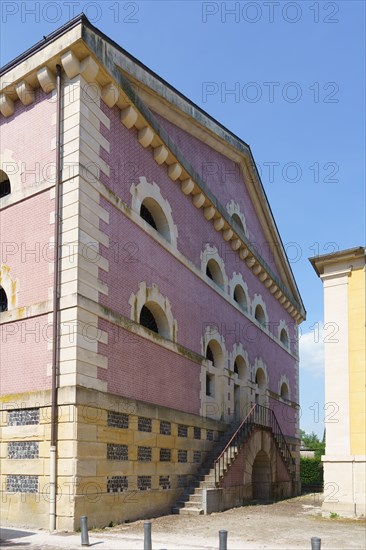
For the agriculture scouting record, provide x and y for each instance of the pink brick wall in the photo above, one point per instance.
(25, 233)
(24, 355)
(25, 246)
(28, 133)
(194, 304)
(223, 176)
(140, 369)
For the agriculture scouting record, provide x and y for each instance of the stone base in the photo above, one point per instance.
(344, 485)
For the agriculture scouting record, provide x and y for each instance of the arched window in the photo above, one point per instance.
(240, 367)
(4, 184)
(236, 218)
(153, 214)
(3, 300)
(210, 355)
(284, 338)
(260, 379)
(284, 391)
(260, 315)
(154, 318)
(214, 353)
(214, 272)
(148, 320)
(240, 297)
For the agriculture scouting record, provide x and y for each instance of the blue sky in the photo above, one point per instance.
(296, 72)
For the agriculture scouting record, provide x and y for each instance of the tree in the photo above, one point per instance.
(311, 441)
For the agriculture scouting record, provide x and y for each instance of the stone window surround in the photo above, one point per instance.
(239, 351)
(284, 380)
(10, 286)
(210, 252)
(283, 326)
(237, 279)
(145, 190)
(137, 301)
(233, 208)
(259, 301)
(260, 364)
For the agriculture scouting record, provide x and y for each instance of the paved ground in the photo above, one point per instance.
(286, 525)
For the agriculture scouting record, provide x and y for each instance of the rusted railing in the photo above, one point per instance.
(257, 416)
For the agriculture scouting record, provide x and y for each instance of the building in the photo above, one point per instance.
(169, 315)
(343, 276)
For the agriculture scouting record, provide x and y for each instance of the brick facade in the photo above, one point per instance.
(135, 416)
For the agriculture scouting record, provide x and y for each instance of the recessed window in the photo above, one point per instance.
(214, 353)
(148, 320)
(240, 367)
(284, 338)
(260, 379)
(210, 355)
(3, 300)
(260, 315)
(214, 273)
(240, 297)
(147, 216)
(5, 188)
(153, 214)
(239, 223)
(284, 391)
(153, 318)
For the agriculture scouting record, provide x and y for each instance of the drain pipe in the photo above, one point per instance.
(53, 446)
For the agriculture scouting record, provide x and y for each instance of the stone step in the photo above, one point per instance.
(195, 498)
(191, 511)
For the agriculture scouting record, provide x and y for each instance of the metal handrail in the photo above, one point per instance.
(257, 416)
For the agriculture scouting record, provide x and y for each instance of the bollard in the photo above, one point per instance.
(84, 531)
(315, 543)
(223, 539)
(147, 535)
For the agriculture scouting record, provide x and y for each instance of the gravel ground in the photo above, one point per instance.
(285, 525)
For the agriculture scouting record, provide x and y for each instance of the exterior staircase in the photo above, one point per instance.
(224, 453)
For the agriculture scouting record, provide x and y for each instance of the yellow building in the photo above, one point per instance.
(344, 281)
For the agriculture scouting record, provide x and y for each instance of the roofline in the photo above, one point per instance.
(319, 262)
(81, 18)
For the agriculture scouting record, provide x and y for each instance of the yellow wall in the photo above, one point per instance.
(357, 360)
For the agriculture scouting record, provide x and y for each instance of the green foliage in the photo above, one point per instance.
(311, 471)
(333, 515)
(111, 524)
(311, 441)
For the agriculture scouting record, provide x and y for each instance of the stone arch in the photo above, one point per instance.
(239, 353)
(277, 479)
(158, 305)
(9, 286)
(261, 381)
(261, 477)
(242, 298)
(283, 334)
(259, 310)
(234, 210)
(210, 259)
(215, 342)
(284, 388)
(147, 198)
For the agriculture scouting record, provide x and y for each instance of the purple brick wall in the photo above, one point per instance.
(194, 303)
